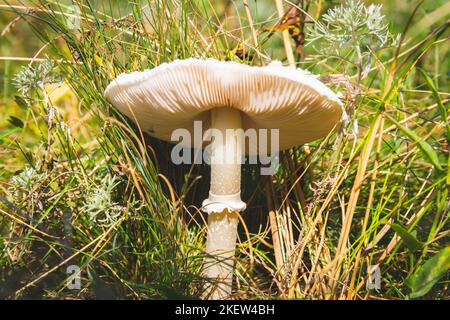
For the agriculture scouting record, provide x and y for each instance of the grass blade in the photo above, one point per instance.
(426, 149)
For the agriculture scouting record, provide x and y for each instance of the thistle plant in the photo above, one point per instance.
(23, 189)
(31, 78)
(349, 28)
(24, 182)
(99, 204)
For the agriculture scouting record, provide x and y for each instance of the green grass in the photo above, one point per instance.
(375, 192)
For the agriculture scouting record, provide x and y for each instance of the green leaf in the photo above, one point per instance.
(21, 102)
(422, 144)
(444, 113)
(408, 238)
(442, 108)
(429, 273)
(16, 122)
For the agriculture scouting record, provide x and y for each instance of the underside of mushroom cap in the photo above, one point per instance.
(174, 95)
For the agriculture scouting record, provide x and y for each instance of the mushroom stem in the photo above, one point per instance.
(224, 197)
(220, 247)
(226, 152)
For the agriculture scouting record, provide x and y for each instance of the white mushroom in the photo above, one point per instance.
(226, 95)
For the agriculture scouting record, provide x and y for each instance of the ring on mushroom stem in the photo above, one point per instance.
(226, 157)
(225, 97)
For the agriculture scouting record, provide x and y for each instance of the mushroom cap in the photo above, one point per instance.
(174, 95)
